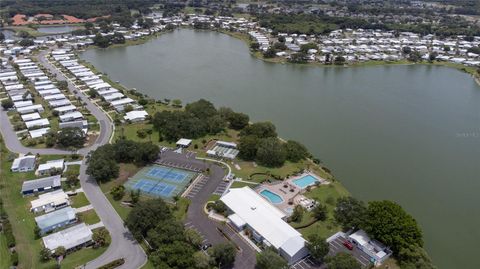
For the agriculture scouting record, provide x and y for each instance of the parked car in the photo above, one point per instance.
(348, 245)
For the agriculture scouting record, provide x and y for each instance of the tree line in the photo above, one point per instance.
(170, 244)
(103, 162)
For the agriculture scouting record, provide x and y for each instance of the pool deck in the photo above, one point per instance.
(288, 191)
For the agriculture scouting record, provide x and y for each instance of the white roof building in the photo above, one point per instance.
(377, 251)
(38, 132)
(266, 222)
(183, 142)
(46, 167)
(136, 115)
(50, 201)
(69, 238)
(37, 123)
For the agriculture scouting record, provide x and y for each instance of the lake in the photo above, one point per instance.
(57, 29)
(405, 133)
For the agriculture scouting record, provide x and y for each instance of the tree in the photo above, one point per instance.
(305, 47)
(118, 192)
(342, 261)
(387, 222)
(350, 212)
(101, 165)
(318, 247)
(72, 177)
(60, 251)
(247, 147)
(2, 36)
(176, 255)
(414, 257)
(223, 254)
(297, 214)
(201, 109)
(101, 41)
(260, 130)
(269, 259)
(202, 261)
(135, 196)
(100, 237)
(45, 254)
(320, 212)
(193, 237)
(238, 121)
(145, 215)
(50, 139)
(406, 50)
(255, 46)
(339, 60)
(71, 137)
(26, 42)
(432, 56)
(62, 85)
(295, 151)
(7, 104)
(269, 53)
(177, 103)
(271, 152)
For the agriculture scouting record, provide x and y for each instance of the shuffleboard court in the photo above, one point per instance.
(160, 181)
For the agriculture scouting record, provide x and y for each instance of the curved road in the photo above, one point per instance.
(122, 245)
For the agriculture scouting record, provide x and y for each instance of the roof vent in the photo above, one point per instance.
(253, 208)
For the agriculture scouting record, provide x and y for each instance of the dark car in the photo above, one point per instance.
(348, 245)
(206, 246)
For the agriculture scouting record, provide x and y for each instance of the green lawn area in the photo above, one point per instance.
(327, 195)
(23, 223)
(79, 200)
(4, 252)
(239, 184)
(247, 169)
(74, 168)
(81, 257)
(89, 217)
(180, 210)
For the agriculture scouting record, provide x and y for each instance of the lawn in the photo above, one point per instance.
(4, 252)
(327, 195)
(240, 184)
(74, 168)
(81, 257)
(79, 200)
(181, 208)
(89, 217)
(23, 222)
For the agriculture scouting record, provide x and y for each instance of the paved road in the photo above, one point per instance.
(123, 245)
(196, 217)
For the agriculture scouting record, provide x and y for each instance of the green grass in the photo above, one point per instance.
(79, 200)
(89, 217)
(322, 194)
(81, 257)
(23, 223)
(4, 252)
(74, 168)
(180, 210)
(148, 265)
(238, 184)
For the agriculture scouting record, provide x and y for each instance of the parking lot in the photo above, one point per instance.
(308, 263)
(197, 187)
(336, 246)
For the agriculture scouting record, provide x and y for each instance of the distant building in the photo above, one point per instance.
(184, 143)
(223, 149)
(377, 251)
(45, 184)
(73, 237)
(56, 219)
(265, 223)
(23, 164)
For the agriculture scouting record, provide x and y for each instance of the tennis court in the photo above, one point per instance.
(160, 181)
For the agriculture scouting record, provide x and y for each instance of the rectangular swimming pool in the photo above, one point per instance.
(305, 181)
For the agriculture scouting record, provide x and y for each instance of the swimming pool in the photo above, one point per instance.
(305, 181)
(272, 197)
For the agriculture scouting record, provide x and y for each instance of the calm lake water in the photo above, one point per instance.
(57, 29)
(405, 133)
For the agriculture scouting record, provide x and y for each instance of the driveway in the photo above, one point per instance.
(196, 217)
